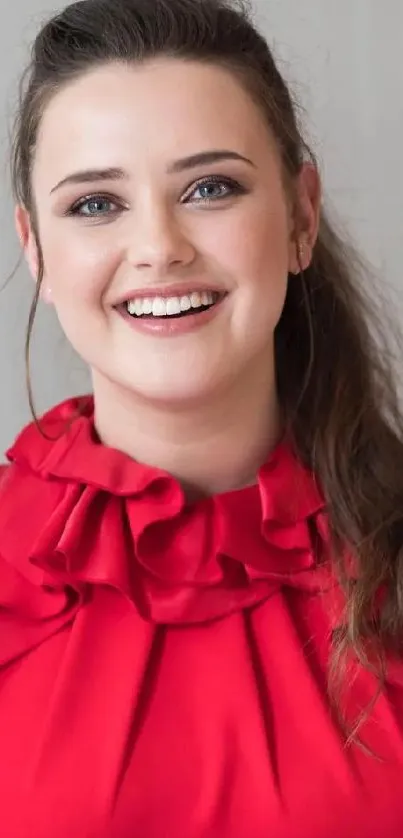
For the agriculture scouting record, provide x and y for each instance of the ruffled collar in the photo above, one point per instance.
(92, 516)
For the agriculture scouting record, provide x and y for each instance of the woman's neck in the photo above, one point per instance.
(209, 449)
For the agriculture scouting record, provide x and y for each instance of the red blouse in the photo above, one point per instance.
(163, 665)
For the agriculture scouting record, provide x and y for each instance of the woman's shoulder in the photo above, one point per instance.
(44, 440)
(33, 604)
(34, 508)
(31, 491)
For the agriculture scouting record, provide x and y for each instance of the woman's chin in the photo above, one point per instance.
(175, 398)
(169, 386)
(175, 393)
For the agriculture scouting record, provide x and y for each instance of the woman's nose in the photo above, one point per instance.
(160, 242)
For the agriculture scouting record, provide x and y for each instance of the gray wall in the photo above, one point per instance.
(344, 61)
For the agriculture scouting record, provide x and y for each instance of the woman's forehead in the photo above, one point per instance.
(179, 107)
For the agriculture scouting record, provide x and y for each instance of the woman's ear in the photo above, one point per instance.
(305, 228)
(27, 239)
(29, 245)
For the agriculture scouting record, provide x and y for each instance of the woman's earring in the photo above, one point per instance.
(47, 294)
(301, 256)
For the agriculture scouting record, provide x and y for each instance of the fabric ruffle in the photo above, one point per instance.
(75, 514)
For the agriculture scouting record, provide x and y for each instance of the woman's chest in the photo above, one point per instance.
(117, 729)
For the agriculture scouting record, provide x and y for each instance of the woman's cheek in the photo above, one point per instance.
(77, 265)
(261, 253)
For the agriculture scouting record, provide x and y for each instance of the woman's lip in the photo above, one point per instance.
(178, 290)
(171, 326)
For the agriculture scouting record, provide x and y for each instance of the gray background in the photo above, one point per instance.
(344, 61)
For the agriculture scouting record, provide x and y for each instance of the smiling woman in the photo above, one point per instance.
(165, 215)
(202, 610)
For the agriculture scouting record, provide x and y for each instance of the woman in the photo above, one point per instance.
(201, 564)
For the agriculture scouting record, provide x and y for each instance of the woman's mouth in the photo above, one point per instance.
(172, 315)
(173, 306)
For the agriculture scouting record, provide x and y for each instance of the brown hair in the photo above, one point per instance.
(334, 370)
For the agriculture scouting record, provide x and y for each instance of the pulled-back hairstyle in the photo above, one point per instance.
(335, 376)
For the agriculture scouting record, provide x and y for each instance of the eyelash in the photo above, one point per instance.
(233, 186)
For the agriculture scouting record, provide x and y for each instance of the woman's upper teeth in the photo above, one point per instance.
(162, 306)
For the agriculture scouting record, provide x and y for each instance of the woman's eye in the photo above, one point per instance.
(213, 190)
(94, 207)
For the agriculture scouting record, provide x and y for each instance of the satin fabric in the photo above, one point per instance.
(163, 666)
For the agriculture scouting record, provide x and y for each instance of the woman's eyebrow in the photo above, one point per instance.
(116, 173)
(203, 157)
(92, 175)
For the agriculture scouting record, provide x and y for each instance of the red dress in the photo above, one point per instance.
(163, 665)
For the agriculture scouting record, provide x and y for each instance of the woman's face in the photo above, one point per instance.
(158, 182)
